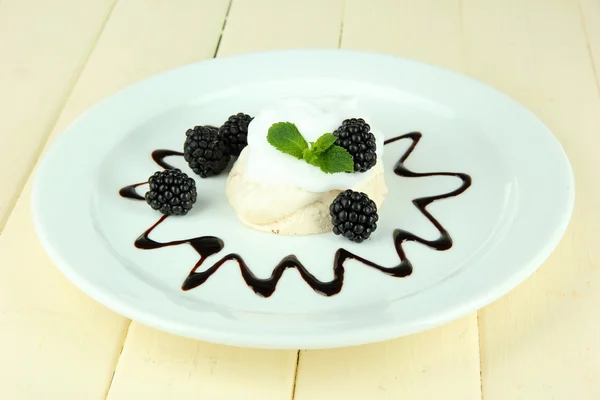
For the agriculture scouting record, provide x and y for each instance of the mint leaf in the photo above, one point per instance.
(323, 143)
(314, 154)
(334, 159)
(286, 137)
(323, 153)
(310, 156)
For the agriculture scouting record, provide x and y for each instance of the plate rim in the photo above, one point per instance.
(290, 341)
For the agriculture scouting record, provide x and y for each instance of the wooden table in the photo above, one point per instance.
(57, 58)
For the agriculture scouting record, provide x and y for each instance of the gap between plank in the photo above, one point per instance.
(106, 393)
(461, 23)
(296, 375)
(13, 202)
(130, 321)
(341, 34)
(222, 29)
(589, 46)
(479, 355)
(463, 66)
(339, 45)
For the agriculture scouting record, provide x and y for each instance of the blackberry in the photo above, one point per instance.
(171, 192)
(354, 215)
(205, 152)
(235, 133)
(355, 136)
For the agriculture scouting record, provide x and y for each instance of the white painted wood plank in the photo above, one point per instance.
(428, 30)
(56, 342)
(590, 14)
(442, 362)
(149, 37)
(259, 25)
(542, 341)
(157, 365)
(40, 61)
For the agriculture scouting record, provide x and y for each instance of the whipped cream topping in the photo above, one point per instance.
(313, 117)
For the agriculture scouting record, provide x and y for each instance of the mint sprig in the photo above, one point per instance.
(286, 137)
(323, 143)
(335, 159)
(323, 153)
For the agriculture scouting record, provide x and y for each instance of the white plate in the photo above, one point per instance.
(503, 226)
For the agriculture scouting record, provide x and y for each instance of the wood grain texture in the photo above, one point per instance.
(141, 39)
(259, 25)
(157, 365)
(443, 362)
(542, 341)
(439, 363)
(41, 60)
(428, 31)
(55, 341)
(590, 17)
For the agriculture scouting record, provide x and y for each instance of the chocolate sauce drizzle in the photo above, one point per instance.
(129, 191)
(206, 246)
(159, 157)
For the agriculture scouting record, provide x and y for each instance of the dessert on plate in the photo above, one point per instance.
(302, 167)
(274, 191)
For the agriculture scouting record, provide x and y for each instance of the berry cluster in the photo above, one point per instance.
(356, 137)
(234, 133)
(171, 192)
(207, 150)
(354, 215)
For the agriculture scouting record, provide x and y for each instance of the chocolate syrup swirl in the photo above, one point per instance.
(266, 287)
(129, 191)
(444, 242)
(206, 246)
(159, 157)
